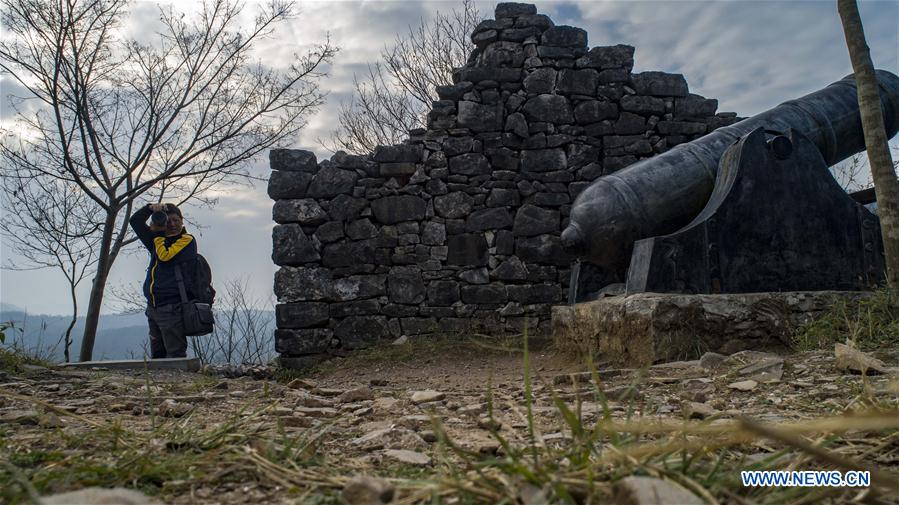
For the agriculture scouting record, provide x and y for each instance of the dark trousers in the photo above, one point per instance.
(167, 339)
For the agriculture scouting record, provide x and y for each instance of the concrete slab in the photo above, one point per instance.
(645, 328)
(186, 364)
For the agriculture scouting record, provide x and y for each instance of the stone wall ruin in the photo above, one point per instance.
(457, 230)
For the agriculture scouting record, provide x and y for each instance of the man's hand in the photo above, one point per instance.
(157, 207)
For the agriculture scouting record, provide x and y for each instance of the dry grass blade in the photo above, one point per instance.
(878, 477)
(54, 408)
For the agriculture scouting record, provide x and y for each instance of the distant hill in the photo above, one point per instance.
(119, 336)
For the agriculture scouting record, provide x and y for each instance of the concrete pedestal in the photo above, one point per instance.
(646, 328)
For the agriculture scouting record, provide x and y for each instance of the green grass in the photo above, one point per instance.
(12, 360)
(873, 324)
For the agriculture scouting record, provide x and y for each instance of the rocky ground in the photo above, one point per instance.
(453, 423)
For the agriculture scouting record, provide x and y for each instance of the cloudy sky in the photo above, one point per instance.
(750, 55)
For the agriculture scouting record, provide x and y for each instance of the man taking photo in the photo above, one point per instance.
(170, 246)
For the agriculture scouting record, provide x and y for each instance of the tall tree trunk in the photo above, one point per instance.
(67, 339)
(886, 185)
(104, 264)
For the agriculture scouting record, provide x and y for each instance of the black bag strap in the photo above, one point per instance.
(181, 284)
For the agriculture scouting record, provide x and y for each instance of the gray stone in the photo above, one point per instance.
(564, 36)
(304, 211)
(545, 249)
(100, 496)
(405, 286)
(453, 205)
(453, 91)
(302, 284)
(287, 184)
(577, 82)
(537, 293)
(304, 341)
(361, 229)
(301, 315)
(290, 246)
(504, 242)
(541, 80)
(614, 163)
(541, 21)
(346, 208)
(581, 155)
(549, 108)
(293, 160)
(480, 118)
(636, 490)
(694, 106)
(680, 128)
(395, 209)
(357, 287)
(645, 105)
(329, 232)
(618, 145)
(484, 37)
(331, 181)
(366, 490)
(660, 84)
(418, 325)
(476, 276)
(593, 111)
(519, 34)
(517, 124)
(484, 294)
(543, 160)
(630, 123)
(354, 162)
(443, 293)
(489, 219)
(500, 197)
(358, 331)
(479, 74)
(514, 10)
(511, 269)
(614, 75)
(604, 57)
(357, 308)
(397, 169)
(469, 164)
(454, 146)
(398, 153)
(346, 254)
(433, 233)
(468, 249)
(531, 220)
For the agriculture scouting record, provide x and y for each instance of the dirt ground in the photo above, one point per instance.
(253, 441)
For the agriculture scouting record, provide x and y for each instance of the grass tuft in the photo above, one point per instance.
(872, 323)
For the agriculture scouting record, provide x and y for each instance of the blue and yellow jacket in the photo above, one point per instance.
(161, 285)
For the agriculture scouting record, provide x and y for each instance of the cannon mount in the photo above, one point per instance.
(776, 220)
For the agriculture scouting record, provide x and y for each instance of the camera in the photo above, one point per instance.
(159, 217)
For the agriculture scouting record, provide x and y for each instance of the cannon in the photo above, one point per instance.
(633, 224)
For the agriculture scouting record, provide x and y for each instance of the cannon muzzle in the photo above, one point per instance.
(660, 195)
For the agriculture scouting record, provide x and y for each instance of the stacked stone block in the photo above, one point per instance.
(457, 230)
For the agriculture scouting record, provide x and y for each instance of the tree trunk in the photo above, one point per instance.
(104, 264)
(67, 339)
(886, 185)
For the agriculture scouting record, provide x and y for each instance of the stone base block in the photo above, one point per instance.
(302, 362)
(646, 328)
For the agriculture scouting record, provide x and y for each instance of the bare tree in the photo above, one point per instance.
(122, 120)
(50, 226)
(243, 329)
(886, 185)
(394, 96)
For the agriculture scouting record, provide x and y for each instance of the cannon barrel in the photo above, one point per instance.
(658, 196)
